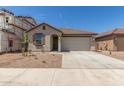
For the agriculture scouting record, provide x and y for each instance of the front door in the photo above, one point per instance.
(55, 43)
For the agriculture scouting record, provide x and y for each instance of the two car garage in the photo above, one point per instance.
(76, 43)
(76, 40)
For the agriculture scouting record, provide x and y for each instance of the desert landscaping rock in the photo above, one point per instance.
(40, 60)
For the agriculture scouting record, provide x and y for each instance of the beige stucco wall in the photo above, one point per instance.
(120, 43)
(31, 20)
(4, 42)
(0, 41)
(76, 43)
(48, 38)
(19, 32)
(51, 42)
(105, 45)
(113, 42)
(22, 23)
(16, 40)
(3, 24)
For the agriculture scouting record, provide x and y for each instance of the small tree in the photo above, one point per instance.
(24, 44)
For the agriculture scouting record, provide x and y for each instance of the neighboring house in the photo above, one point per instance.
(11, 30)
(110, 41)
(45, 37)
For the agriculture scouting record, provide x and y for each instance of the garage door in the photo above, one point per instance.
(75, 43)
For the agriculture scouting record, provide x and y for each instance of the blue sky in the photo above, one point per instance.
(95, 19)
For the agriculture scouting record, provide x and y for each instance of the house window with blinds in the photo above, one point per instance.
(38, 38)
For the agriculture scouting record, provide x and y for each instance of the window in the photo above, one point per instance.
(44, 27)
(38, 38)
(7, 19)
(10, 43)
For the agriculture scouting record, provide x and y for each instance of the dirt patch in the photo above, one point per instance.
(37, 60)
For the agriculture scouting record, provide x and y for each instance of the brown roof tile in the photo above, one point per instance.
(66, 31)
(44, 24)
(75, 31)
(26, 17)
(113, 32)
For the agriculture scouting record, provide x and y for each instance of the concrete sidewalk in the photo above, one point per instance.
(61, 76)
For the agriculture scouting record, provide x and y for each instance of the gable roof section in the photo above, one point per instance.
(117, 31)
(17, 26)
(7, 11)
(76, 32)
(65, 31)
(44, 24)
(26, 19)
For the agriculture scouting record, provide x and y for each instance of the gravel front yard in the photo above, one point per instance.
(37, 60)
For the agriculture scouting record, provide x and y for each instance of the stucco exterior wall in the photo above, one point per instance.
(51, 42)
(31, 20)
(0, 41)
(4, 42)
(106, 43)
(1, 21)
(48, 35)
(23, 24)
(120, 43)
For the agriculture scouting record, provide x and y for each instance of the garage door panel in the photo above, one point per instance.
(76, 43)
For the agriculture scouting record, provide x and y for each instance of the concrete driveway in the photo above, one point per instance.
(90, 60)
(78, 68)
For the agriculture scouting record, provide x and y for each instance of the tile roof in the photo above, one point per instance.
(7, 11)
(44, 24)
(116, 31)
(75, 31)
(17, 26)
(66, 31)
(26, 17)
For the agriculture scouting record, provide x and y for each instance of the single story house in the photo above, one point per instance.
(45, 37)
(111, 40)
